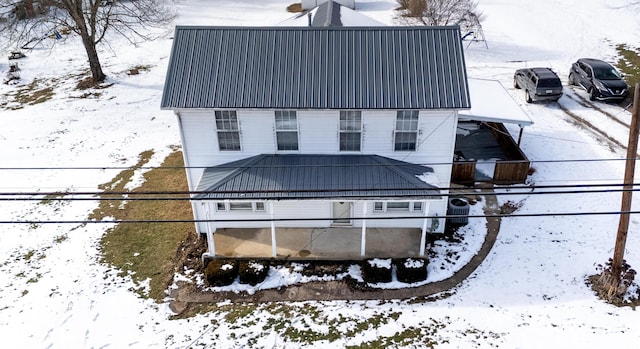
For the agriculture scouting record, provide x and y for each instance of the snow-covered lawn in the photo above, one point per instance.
(529, 293)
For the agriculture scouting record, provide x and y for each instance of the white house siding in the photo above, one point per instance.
(318, 134)
(318, 131)
(306, 211)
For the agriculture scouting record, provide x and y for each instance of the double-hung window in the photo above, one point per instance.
(286, 130)
(228, 130)
(350, 130)
(406, 133)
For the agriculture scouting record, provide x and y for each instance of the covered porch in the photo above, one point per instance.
(318, 243)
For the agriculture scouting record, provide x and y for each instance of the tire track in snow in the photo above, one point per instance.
(588, 126)
(588, 104)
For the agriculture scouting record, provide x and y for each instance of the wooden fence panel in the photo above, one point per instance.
(463, 172)
(511, 173)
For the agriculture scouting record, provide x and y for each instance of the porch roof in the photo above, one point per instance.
(290, 177)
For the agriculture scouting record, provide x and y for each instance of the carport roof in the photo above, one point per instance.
(491, 102)
(289, 177)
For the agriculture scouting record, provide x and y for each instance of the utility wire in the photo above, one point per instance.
(223, 166)
(497, 215)
(496, 190)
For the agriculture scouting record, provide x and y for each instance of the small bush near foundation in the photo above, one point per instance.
(410, 270)
(253, 272)
(221, 272)
(376, 270)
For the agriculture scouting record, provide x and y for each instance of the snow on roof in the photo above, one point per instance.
(348, 17)
(490, 101)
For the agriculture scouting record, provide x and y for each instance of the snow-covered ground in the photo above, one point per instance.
(529, 292)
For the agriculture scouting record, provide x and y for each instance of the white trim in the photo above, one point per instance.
(273, 230)
(185, 159)
(363, 239)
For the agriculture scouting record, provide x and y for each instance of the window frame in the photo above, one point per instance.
(291, 115)
(347, 119)
(227, 206)
(227, 123)
(408, 120)
(412, 206)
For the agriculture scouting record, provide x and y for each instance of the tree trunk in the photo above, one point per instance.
(94, 62)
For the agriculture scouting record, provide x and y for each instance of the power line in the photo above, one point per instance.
(222, 166)
(266, 194)
(138, 221)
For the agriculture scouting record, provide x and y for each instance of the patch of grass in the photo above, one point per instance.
(629, 65)
(34, 93)
(295, 7)
(27, 256)
(50, 198)
(147, 250)
(138, 69)
(60, 239)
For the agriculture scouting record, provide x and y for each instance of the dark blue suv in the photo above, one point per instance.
(600, 79)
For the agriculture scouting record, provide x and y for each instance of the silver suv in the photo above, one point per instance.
(539, 84)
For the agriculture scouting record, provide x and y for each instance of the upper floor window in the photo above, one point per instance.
(286, 130)
(228, 130)
(406, 133)
(350, 130)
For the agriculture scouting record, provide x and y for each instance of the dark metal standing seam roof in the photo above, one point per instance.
(287, 177)
(316, 68)
(327, 15)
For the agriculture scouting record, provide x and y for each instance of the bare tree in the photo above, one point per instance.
(438, 12)
(26, 21)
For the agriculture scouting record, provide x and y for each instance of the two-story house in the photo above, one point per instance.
(317, 126)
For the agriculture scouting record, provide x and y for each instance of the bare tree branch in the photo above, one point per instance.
(23, 22)
(438, 12)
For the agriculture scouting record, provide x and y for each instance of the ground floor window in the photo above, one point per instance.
(257, 206)
(390, 206)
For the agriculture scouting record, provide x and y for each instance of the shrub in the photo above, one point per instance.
(253, 272)
(410, 270)
(221, 272)
(376, 270)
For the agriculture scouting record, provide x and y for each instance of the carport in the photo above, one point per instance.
(483, 139)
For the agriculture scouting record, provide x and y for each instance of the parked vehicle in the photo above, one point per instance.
(539, 84)
(600, 79)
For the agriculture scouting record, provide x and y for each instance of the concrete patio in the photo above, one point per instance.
(318, 243)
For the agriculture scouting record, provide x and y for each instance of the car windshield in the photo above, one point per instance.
(606, 73)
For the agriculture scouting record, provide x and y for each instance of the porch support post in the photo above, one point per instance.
(273, 230)
(520, 135)
(363, 241)
(423, 237)
(210, 230)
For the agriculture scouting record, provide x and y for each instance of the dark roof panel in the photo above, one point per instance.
(288, 177)
(327, 15)
(316, 68)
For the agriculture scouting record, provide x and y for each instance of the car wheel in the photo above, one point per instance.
(515, 83)
(527, 96)
(593, 94)
(572, 80)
